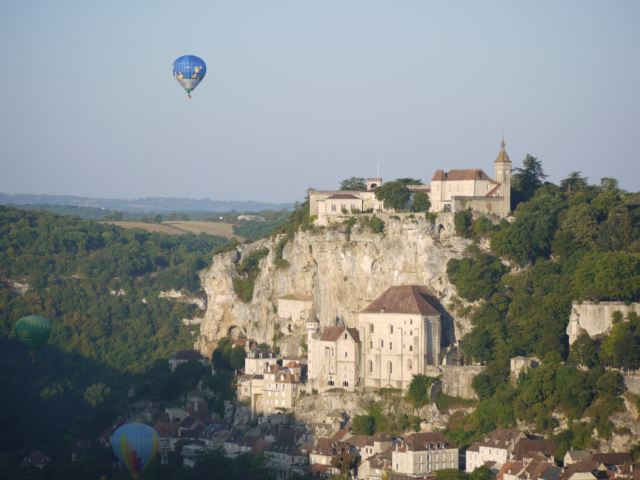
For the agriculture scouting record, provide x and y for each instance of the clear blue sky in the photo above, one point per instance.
(306, 93)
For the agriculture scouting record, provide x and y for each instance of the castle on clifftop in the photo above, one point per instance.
(451, 191)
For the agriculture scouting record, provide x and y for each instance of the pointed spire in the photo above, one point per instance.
(502, 157)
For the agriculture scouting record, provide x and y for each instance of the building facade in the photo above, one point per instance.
(333, 357)
(421, 454)
(401, 333)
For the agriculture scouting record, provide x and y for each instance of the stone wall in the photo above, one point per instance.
(456, 379)
(595, 318)
(632, 382)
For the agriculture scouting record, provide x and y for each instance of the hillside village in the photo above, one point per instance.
(402, 334)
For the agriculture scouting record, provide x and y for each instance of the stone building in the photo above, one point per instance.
(457, 190)
(420, 454)
(333, 357)
(401, 333)
(272, 391)
(451, 191)
(334, 204)
(497, 447)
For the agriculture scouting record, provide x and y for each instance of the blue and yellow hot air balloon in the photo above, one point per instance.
(189, 71)
(135, 445)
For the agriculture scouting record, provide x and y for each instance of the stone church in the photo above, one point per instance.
(398, 335)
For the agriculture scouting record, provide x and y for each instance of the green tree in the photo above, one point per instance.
(574, 182)
(364, 425)
(236, 358)
(477, 276)
(421, 202)
(394, 195)
(608, 276)
(526, 180)
(96, 393)
(353, 183)
(419, 388)
(462, 221)
(584, 351)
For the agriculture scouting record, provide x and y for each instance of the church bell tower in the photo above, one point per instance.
(502, 166)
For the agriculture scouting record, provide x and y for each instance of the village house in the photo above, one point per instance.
(401, 333)
(420, 454)
(369, 445)
(280, 389)
(376, 467)
(333, 357)
(256, 361)
(286, 456)
(184, 356)
(495, 447)
(191, 453)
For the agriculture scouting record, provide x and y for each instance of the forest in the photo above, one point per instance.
(568, 242)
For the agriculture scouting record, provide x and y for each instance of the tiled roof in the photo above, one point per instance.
(527, 448)
(331, 334)
(461, 175)
(404, 299)
(614, 458)
(501, 438)
(343, 196)
(502, 154)
(418, 442)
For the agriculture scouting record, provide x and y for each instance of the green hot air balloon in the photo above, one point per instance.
(33, 332)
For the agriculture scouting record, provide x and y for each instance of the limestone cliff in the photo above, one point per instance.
(342, 272)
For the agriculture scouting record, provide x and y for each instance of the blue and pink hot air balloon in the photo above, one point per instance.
(135, 445)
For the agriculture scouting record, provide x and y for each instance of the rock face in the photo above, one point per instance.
(596, 318)
(342, 272)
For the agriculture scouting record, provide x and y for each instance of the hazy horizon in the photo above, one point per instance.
(304, 94)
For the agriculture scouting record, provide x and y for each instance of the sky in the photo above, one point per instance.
(303, 94)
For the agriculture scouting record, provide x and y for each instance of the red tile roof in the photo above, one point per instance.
(461, 174)
(331, 334)
(404, 299)
(343, 196)
(418, 442)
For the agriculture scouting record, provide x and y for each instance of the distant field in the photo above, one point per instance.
(182, 227)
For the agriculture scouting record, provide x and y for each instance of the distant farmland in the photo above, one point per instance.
(180, 227)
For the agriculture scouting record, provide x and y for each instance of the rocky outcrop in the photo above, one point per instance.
(596, 318)
(342, 271)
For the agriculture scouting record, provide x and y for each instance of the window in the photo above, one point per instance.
(390, 345)
(371, 344)
(411, 348)
(370, 366)
(345, 336)
(390, 328)
(381, 343)
(409, 364)
(410, 332)
(411, 321)
(333, 207)
(390, 367)
(345, 354)
(371, 328)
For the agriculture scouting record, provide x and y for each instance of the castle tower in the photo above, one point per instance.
(373, 183)
(313, 352)
(502, 166)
